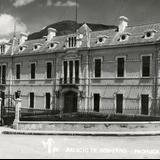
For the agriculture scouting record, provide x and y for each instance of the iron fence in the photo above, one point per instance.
(28, 114)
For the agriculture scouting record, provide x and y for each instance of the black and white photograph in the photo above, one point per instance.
(79, 79)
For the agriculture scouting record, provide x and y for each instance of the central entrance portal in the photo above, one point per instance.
(70, 102)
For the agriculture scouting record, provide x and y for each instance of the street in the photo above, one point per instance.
(68, 147)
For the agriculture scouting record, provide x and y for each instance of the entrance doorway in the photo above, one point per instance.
(96, 102)
(119, 103)
(70, 102)
(145, 104)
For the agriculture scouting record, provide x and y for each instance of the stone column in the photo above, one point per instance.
(68, 72)
(17, 113)
(74, 73)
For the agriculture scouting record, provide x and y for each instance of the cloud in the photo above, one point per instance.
(4, 40)
(7, 23)
(68, 3)
(20, 3)
(49, 3)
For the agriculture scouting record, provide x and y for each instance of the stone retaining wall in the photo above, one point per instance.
(89, 126)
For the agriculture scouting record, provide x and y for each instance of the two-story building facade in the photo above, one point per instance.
(111, 71)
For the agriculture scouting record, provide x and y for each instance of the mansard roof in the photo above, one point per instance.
(135, 35)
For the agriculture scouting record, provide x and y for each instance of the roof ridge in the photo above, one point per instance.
(142, 25)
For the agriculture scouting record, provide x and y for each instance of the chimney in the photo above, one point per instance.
(123, 23)
(23, 38)
(51, 33)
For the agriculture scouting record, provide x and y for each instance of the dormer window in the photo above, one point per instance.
(149, 34)
(101, 39)
(37, 47)
(53, 45)
(22, 48)
(124, 37)
(72, 42)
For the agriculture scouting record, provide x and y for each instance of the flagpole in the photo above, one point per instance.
(14, 34)
(76, 14)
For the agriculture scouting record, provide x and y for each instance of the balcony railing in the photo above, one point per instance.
(69, 81)
(2, 81)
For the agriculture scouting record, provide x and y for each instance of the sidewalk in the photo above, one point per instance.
(9, 131)
(5, 128)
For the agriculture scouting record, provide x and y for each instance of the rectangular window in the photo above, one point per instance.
(49, 70)
(146, 60)
(0, 74)
(18, 71)
(65, 65)
(96, 102)
(3, 98)
(97, 68)
(69, 42)
(120, 67)
(32, 100)
(77, 71)
(144, 104)
(4, 74)
(16, 95)
(48, 100)
(119, 103)
(75, 41)
(33, 71)
(72, 42)
(2, 49)
(71, 71)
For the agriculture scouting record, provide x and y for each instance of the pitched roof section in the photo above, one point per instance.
(103, 38)
(136, 35)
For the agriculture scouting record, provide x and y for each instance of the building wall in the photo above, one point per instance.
(132, 86)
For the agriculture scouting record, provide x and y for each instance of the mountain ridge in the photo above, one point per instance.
(68, 27)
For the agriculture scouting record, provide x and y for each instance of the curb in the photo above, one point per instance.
(82, 133)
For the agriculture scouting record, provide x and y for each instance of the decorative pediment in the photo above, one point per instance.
(84, 28)
(71, 56)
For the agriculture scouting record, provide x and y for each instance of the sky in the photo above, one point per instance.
(33, 15)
